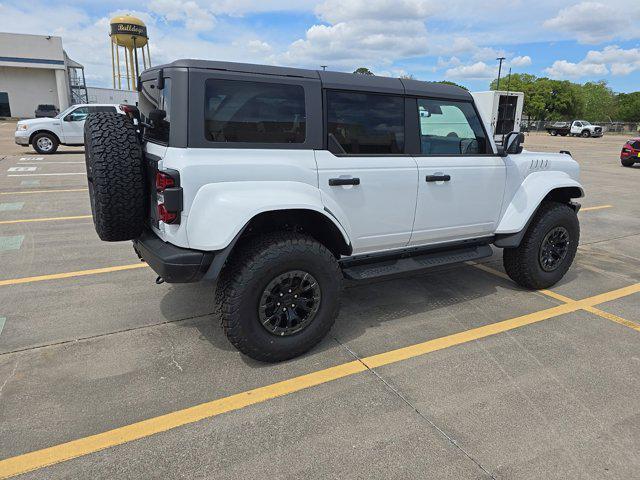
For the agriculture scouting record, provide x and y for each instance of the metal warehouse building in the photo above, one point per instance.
(34, 69)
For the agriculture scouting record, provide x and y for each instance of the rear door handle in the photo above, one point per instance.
(438, 178)
(336, 182)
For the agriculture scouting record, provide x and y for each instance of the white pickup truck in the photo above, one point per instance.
(577, 128)
(66, 128)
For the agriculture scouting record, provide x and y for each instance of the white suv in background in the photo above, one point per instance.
(66, 128)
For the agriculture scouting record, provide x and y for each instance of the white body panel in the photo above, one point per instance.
(68, 132)
(530, 177)
(392, 208)
(380, 211)
(467, 206)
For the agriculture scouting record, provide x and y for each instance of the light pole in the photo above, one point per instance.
(324, 67)
(500, 59)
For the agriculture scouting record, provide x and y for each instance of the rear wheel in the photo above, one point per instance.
(547, 249)
(553, 133)
(115, 174)
(45, 143)
(279, 295)
(626, 162)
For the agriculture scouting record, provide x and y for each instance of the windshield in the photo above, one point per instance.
(585, 123)
(64, 112)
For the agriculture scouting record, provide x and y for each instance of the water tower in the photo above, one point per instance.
(128, 36)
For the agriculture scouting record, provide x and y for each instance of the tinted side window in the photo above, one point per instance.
(366, 123)
(450, 128)
(78, 115)
(102, 108)
(254, 112)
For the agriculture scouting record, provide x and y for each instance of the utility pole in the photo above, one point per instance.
(500, 59)
(324, 67)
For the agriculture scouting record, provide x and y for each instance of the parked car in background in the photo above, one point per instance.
(66, 128)
(630, 153)
(46, 110)
(577, 128)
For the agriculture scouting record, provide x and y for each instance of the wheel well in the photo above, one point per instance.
(43, 131)
(563, 194)
(310, 222)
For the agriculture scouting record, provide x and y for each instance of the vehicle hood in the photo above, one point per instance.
(32, 122)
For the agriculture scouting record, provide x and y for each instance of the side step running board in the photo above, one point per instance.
(383, 268)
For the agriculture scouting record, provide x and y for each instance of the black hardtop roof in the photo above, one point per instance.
(329, 79)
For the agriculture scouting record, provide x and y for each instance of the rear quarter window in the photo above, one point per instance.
(254, 112)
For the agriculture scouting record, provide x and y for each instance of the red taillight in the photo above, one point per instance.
(169, 197)
(166, 216)
(164, 180)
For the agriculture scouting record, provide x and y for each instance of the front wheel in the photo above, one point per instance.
(279, 295)
(45, 143)
(627, 162)
(547, 249)
(586, 134)
(553, 133)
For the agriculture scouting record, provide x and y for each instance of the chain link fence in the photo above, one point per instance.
(622, 128)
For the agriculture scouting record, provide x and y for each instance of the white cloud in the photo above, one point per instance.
(612, 59)
(335, 11)
(474, 71)
(191, 13)
(563, 69)
(357, 43)
(591, 22)
(524, 61)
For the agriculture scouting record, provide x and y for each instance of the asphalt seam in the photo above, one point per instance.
(101, 335)
(404, 399)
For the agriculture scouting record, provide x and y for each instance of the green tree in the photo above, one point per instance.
(447, 82)
(363, 71)
(628, 107)
(599, 101)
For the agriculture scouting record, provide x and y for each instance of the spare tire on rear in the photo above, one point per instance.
(115, 172)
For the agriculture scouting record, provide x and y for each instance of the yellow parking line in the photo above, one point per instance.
(135, 431)
(614, 318)
(51, 219)
(53, 190)
(567, 300)
(599, 207)
(80, 273)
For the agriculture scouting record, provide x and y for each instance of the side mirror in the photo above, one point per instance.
(512, 144)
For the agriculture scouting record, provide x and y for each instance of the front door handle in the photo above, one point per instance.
(438, 178)
(336, 182)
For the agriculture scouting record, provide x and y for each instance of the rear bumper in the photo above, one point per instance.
(173, 264)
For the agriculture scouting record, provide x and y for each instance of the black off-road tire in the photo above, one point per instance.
(44, 135)
(553, 133)
(259, 260)
(586, 134)
(116, 178)
(523, 264)
(627, 163)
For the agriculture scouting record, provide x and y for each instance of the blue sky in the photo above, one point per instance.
(456, 40)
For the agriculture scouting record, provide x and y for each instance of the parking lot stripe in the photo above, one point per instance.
(135, 431)
(2, 322)
(599, 207)
(614, 318)
(45, 163)
(79, 273)
(50, 219)
(53, 190)
(562, 298)
(6, 207)
(46, 174)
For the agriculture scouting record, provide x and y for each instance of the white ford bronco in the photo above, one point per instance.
(278, 183)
